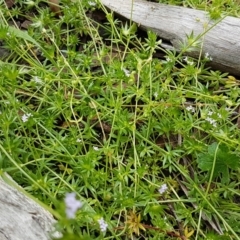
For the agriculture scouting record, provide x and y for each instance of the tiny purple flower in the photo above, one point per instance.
(163, 188)
(103, 225)
(72, 204)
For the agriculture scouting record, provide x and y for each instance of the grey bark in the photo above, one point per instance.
(173, 23)
(21, 218)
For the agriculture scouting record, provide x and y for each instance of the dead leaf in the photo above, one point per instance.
(54, 6)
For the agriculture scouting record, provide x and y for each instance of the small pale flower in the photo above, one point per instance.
(155, 94)
(95, 148)
(79, 140)
(26, 116)
(44, 31)
(190, 109)
(219, 115)
(189, 62)
(211, 121)
(163, 188)
(207, 56)
(126, 72)
(103, 225)
(92, 3)
(36, 79)
(210, 113)
(168, 59)
(72, 204)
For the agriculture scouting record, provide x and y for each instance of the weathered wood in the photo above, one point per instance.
(173, 23)
(21, 218)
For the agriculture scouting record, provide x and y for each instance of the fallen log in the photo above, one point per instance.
(21, 218)
(173, 24)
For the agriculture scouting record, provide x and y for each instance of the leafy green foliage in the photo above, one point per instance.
(96, 107)
(220, 160)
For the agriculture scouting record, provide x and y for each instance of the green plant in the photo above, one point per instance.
(148, 145)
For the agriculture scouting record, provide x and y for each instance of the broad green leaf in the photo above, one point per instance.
(225, 160)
